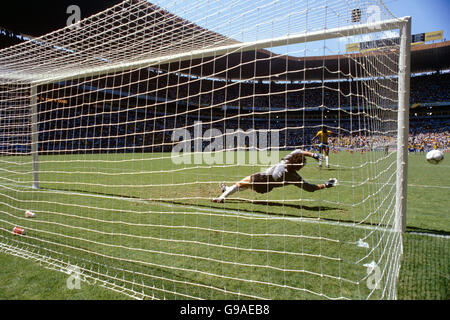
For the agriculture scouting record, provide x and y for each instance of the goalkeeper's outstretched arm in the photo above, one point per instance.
(316, 187)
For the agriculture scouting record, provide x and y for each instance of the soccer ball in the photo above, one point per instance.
(435, 156)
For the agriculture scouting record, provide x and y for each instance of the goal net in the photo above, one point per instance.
(117, 132)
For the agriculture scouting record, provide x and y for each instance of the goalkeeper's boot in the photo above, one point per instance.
(331, 183)
(217, 200)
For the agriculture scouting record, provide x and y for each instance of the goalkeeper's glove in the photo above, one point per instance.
(317, 156)
(331, 183)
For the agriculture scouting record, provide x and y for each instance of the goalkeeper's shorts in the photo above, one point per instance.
(263, 183)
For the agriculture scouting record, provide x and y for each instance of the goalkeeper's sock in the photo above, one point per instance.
(229, 191)
(223, 187)
(326, 161)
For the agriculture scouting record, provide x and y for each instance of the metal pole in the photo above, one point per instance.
(403, 123)
(34, 137)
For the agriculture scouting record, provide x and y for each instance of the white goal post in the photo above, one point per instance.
(403, 121)
(90, 118)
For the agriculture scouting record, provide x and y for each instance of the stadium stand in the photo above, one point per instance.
(104, 128)
(146, 120)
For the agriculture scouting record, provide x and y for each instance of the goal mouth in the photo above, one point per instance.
(119, 136)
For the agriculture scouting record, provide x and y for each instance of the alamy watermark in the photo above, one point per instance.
(73, 282)
(216, 147)
(374, 276)
(73, 21)
(374, 16)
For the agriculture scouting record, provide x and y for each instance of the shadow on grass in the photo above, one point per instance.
(264, 204)
(427, 231)
(208, 205)
(283, 205)
(332, 169)
(313, 210)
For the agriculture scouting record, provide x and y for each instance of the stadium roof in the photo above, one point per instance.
(103, 41)
(430, 57)
(424, 58)
(131, 31)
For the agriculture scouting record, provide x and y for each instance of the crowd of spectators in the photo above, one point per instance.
(100, 127)
(332, 94)
(427, 135)
(431, 88)
(135, 131)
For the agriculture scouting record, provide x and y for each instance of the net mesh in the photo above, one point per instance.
(129, 136)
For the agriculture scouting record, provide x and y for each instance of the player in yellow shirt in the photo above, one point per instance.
(323, 136)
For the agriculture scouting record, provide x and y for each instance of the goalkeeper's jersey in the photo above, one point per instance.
(279, 169)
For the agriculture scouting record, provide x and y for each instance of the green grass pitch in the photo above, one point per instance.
(145, 223)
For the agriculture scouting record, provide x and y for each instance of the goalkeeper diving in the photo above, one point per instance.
(283, 174)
